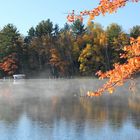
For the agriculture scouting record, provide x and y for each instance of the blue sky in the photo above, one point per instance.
(26, 13)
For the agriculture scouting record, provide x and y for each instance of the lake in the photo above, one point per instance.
(55, 109)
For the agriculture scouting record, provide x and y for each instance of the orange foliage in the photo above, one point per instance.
(105, 6)
(9, 64)
(91, 94)
(72, 17)
(56, 61)
(121, 72)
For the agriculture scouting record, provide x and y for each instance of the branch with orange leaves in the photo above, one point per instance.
(121, 72)
(105, 6)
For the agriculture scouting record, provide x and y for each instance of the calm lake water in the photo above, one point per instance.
(53, 109)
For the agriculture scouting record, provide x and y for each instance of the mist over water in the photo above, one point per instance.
(53, 109)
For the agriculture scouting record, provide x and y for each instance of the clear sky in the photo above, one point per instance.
(27, 13)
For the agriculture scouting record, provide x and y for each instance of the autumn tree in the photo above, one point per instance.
(92, 57)
(57, 64)
(65, 45)
(9, 64)
(86, 60)
(11, 42)
(121, 72)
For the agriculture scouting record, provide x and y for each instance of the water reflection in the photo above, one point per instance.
(53, 110)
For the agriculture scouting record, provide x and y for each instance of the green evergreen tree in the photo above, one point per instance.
(135, 31)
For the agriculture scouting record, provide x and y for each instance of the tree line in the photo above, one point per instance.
(74, 50)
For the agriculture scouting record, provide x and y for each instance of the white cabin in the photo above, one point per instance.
(19, 76)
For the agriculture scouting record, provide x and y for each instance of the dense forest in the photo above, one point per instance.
(74, 50)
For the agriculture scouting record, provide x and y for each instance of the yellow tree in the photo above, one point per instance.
(92, 56)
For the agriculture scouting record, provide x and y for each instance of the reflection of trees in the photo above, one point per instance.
(134, 102)
(79, 111)
(105, 109)
(97, 111)
(134, 105)
(117, 116)
(94, 111)
(10, 111)
(55, 108)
